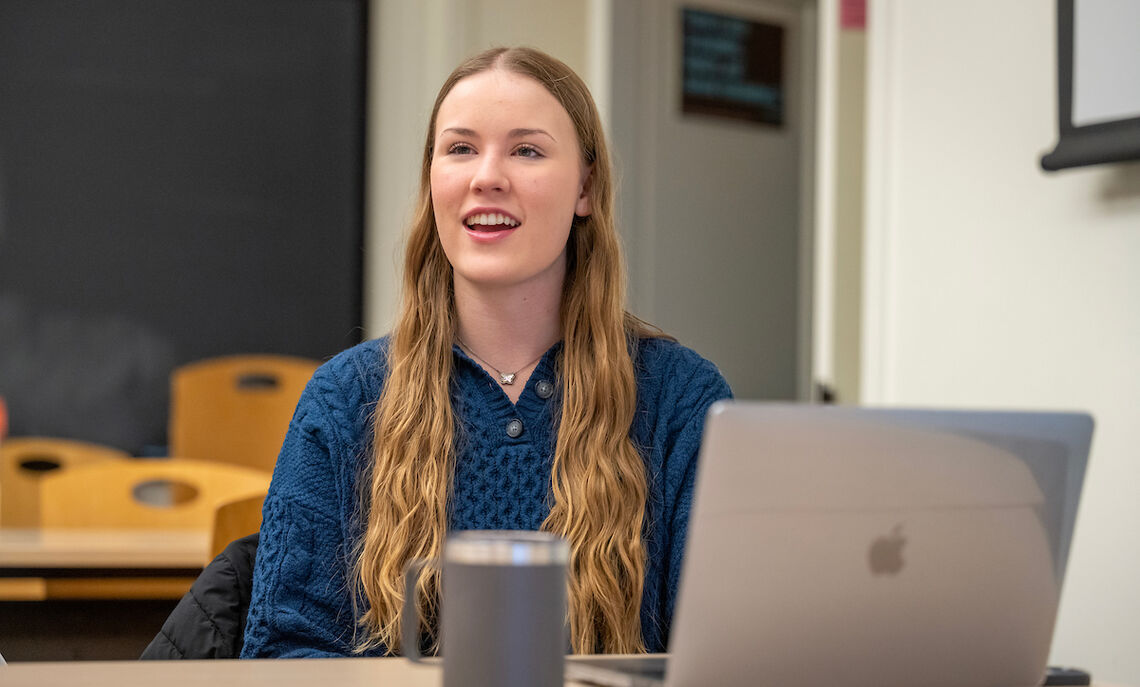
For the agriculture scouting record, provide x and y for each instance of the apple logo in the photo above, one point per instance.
(886, 553)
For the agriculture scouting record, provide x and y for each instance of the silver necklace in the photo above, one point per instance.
(505, 378)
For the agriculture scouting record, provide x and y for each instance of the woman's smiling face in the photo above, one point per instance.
(507, 178)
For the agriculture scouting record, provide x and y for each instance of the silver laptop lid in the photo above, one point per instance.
(876, 546)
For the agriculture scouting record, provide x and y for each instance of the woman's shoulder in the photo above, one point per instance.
(350, 378)
(365, 358)
(658, 354)
(676, 369)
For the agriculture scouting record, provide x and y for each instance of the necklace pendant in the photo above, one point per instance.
(507, 379)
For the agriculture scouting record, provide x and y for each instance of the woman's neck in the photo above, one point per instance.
(507, 329)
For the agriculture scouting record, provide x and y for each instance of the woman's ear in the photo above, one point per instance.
(583, 207)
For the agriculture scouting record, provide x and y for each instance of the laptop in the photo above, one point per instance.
(869, 547)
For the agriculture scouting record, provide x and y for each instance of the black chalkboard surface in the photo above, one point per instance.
(178, 179)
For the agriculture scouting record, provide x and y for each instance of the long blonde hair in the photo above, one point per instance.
(598, 479)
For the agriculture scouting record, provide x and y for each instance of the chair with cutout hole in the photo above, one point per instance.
(26, 461)
(155, 494)
(235, 409)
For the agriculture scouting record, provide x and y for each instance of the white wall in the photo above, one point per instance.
(413, 46)
(992, 283)
(850, 194)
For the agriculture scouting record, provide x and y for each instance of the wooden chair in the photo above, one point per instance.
(170, 493)
(234, 520)
(236, 409)
(26, 461)
(113, 498)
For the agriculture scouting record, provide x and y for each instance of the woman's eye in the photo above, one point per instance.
(460, 149)
(527, 151)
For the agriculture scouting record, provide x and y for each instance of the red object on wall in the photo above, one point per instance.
(3, 418)
(853, 14)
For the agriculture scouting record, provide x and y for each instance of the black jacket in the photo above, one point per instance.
(209, 621)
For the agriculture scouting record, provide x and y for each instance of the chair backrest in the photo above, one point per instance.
(163, 493)
(235, 409)
(26, 461)
(234, 520)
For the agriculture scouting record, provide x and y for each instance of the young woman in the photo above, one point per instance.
(515, 392)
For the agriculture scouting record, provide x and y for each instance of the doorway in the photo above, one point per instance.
(716, 208)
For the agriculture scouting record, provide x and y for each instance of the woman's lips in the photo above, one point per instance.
(488, 234)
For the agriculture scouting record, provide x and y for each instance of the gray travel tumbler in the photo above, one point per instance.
(503, 609)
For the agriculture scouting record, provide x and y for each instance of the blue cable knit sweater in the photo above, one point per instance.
(301, 605)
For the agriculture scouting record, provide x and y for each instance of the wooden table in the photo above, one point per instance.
(91, 594)
(342, 672)
(40, 564)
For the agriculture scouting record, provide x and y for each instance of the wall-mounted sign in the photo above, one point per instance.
(732, 67)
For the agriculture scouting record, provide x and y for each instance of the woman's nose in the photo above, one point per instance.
(490, 175)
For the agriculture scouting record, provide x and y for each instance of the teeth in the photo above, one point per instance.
(490, 220)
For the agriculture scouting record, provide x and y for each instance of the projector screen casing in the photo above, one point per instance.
(1102, 132)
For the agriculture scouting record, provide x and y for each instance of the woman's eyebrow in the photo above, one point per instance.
(513, 133)
(523, 133)
(459, 131)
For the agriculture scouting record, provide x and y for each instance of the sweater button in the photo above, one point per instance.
(514, 428)
(544, 389)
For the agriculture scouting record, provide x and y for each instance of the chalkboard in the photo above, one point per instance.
(179, 179)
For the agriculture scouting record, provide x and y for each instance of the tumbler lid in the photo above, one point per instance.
(506, 547)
